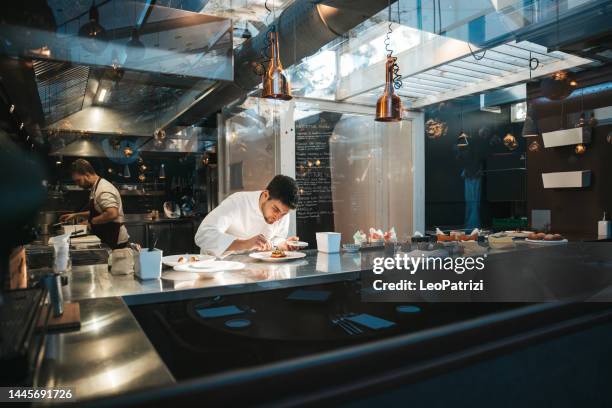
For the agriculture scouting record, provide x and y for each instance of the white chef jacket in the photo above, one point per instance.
(238, 217)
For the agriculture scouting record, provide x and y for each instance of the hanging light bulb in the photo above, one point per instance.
(534, 146)
(580, 149)
(389, 105)
(510, 141)
(275, 83)
(162, 172)
(92, 34)
(126, 171)
(128, 151)
(141, 178)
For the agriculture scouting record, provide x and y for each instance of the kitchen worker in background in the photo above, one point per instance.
(250, 220)
(104, 216)
(105, 212)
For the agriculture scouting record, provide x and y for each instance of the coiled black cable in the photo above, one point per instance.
(397, 77)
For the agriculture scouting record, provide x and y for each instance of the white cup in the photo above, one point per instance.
(328, 242)
(150, 264)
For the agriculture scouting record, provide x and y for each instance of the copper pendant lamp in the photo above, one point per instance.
(275, 83)
(389, 105)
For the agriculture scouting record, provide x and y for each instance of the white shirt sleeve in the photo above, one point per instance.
(211, 235)
(281, 232)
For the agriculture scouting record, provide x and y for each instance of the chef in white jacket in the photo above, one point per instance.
(250, 220)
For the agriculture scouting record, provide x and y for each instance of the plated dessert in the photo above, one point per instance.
(278, 253)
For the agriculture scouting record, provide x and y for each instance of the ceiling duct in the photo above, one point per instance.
(303, 28)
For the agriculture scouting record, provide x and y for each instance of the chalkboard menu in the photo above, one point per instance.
(313, 174)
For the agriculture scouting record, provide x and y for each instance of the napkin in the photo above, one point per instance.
(371, 322)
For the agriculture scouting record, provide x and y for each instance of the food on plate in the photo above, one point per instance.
(500, 242)
(456, 236)
(541, 236)
(193, 259)
(181, 260)
(277, 253)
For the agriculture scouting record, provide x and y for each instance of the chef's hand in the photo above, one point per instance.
(67, 217)
(286, 246)
(259, 242)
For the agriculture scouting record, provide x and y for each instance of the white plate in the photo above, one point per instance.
(543, 242)
(266, 256)
(210, 268)
(172, 260)
(298, 244)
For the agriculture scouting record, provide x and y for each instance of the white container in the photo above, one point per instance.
(567, 179)
(604, 229)
(328, 242)
(566, 137)
(74, 229)
(150, 264)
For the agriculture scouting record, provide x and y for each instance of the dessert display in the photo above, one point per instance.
(541, 236)
(278, 253)
(454, 236)
(374, 237)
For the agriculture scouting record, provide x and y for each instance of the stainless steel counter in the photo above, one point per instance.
(94, 281)
(109, 355)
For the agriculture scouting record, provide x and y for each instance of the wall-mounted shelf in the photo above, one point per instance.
(567, 179)
(567, 137)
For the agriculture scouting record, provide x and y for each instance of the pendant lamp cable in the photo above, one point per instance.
(397, 77)
(259, 67)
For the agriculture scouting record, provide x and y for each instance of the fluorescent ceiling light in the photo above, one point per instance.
(102, 95)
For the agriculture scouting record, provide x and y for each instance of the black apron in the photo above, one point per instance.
(109, 232)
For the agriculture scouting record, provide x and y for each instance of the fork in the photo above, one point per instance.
(350, 324)
(337, 322)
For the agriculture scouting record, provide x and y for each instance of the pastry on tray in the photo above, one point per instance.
(540, 236)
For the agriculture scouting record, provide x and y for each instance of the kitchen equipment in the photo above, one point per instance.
(171, 210)
(328, 242)
(604, 227)
(85, 240)
(74, 229)
(150, 264)
(267, 256)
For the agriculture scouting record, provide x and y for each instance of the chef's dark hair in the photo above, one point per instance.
(284, 189)
(82, 166)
